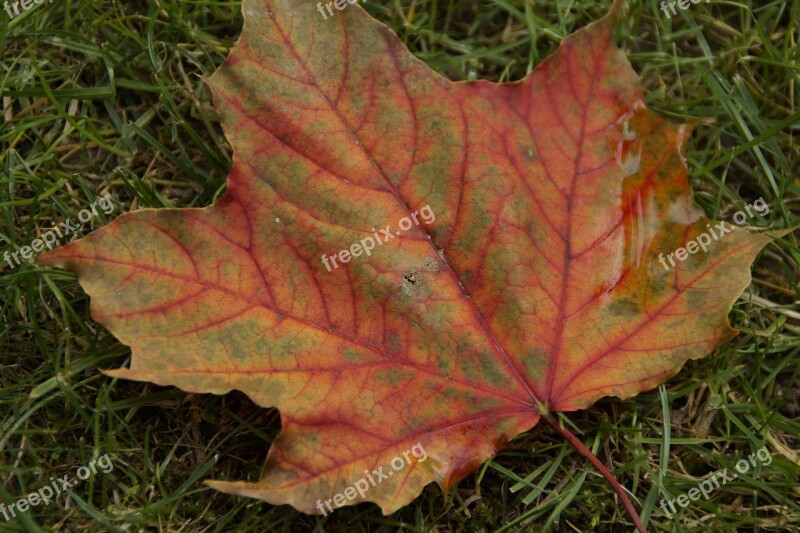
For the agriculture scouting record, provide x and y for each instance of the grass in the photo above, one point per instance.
(106, 96)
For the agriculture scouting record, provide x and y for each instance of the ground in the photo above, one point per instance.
(107, 96)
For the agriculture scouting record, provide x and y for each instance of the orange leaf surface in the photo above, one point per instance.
(529, 281)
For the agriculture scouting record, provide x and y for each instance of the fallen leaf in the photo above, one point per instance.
(533, 284)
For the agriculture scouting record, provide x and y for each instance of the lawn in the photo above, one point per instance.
(104, 97)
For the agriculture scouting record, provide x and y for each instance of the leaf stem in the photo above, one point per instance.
(586, 452)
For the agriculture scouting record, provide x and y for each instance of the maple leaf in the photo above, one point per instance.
(529, 281)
